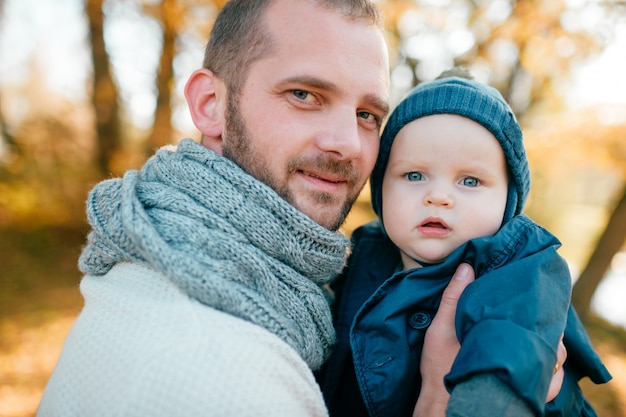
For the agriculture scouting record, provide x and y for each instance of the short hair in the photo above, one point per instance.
(239, 36)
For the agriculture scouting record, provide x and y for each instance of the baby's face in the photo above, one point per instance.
(445, 183)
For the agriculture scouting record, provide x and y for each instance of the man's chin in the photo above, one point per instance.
(329, 217)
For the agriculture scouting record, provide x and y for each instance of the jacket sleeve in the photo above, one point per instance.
(582, 360)
(510, 320)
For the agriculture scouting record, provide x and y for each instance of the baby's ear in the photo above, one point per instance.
(206, 99)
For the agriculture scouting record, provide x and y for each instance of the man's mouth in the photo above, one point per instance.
(322, 182)
(324, 177)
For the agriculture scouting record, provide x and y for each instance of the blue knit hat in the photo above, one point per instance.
(471, 99)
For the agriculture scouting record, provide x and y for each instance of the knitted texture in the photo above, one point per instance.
(224, 238)
(141, 347)
(467, 98)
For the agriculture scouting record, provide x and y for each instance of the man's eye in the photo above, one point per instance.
(301, 94)
(470, 182)
(367, 116)
(414, 176)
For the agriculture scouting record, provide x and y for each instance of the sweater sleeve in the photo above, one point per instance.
(141, 347)
(486, 395)
(260, 376)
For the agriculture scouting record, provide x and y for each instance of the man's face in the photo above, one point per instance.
(308, 117)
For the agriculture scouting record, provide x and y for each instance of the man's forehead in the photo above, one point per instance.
(323, 45)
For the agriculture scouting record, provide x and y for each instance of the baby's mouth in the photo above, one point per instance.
(436, 225)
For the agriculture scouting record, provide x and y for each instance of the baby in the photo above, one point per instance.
(449, 187)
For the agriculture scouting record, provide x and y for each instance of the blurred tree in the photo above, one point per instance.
(177, 18)
(520, 47)
(169, 16)
(105, 94)
(610, 242)
(50, 176)
(5, 132)
(579, 169)
(45, 181)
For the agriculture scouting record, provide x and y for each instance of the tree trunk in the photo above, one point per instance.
(610, 243)
(162, 133)
(105, 93)
(5, 132)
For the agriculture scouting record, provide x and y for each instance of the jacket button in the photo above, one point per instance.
(419, 321)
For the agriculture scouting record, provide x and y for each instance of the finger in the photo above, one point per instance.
(442, 329)
(463, 276)
(555, 384)
(561, 354)
(557, 379)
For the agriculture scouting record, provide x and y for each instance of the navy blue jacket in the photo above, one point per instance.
(509, 322)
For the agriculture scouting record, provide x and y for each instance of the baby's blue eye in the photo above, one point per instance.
(414, 176)
(470, 182)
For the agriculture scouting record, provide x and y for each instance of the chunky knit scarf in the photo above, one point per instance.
(224, 238)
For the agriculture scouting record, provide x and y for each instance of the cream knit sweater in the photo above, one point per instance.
(141, 347)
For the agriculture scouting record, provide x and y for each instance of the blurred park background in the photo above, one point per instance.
(89, 88)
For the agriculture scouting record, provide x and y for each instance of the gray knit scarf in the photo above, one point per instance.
(224, 238)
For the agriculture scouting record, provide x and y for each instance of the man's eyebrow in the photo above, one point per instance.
(313, 82)
(371, 99)
(378, 102)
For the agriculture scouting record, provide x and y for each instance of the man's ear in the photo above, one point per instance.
(206, 99)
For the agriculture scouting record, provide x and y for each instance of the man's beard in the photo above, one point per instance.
(237, 147)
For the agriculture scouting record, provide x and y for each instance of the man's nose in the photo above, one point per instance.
(342, 138)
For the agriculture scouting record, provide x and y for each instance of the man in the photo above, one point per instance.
(204, 278)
